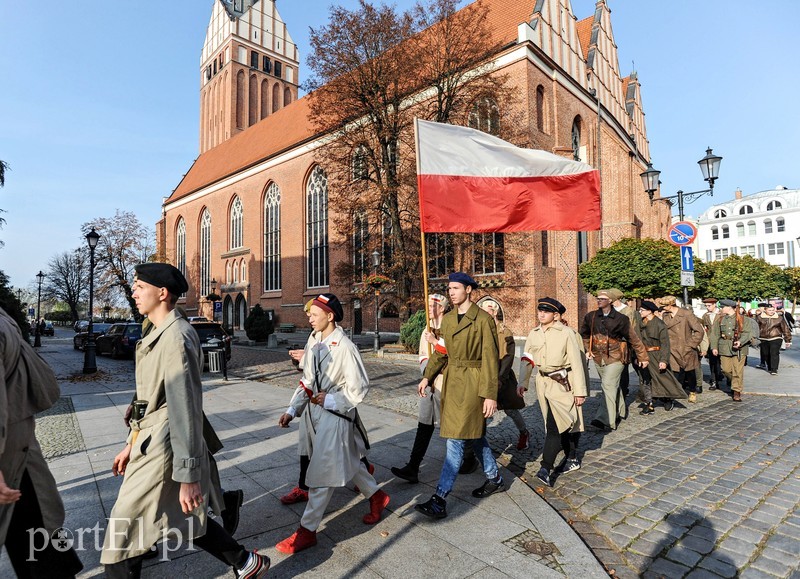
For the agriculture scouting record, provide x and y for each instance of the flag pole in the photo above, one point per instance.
(422, 239)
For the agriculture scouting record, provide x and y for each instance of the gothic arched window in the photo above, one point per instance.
(317, 228)
(272, 238)
(576, 139)
(205, 253)
(485, 116)
(237, 230)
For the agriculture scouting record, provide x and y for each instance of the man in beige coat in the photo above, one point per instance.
(469, 392)
(561, 386)
(165, 460)
(685, 334)
(31, 511)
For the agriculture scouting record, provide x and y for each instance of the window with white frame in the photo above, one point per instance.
(205, 253)
(317, 228)
(715, 233)
(237, 215)
(751, 227)
(781, 224)
(488, 253)
(272, 238)
(485, 116)
(773, 205)
(726, 233)
(360, 164)
(748, 250)
(243, 271)
(768, 226)
(361, 258)
(745, 209)
(228, 273)
(180, 247)
(720, 213)
(740, 229)
(235, 271)
(720, 253)
(441, 257)
(775, 248)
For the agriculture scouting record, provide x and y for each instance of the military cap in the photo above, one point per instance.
(710, 301)
(331, 304)
(550, 305)
(615, 294)
(463, 278)
(603, 294)
(162, 275)
(765, 305)
(438, 299)
(648, 305)
(728, 303)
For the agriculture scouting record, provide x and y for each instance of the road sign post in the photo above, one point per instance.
(683, 234)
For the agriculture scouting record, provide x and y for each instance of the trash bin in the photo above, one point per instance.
(215, 361)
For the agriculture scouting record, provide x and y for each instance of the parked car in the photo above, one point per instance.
(81, 326)
(48, 330)
(212, 337)
(120, 340)
(98, 329)
(197, 319)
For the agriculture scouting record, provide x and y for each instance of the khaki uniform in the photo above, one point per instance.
(685, 335)
(169, 448)
(551, 350)
(721, 339)
(470, 370)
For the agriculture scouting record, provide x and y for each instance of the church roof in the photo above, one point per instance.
(289, 127)
(585, 34)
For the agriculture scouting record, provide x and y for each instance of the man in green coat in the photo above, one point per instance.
(469, 393)
(729, 335)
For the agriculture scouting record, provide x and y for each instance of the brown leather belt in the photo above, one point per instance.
(653, 348)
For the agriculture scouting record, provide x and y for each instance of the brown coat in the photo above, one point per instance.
(470, 370)
(773, 327)
(685, 334)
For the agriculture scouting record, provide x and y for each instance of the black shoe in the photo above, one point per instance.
(230, 516)
(669, 404)
(699, 389)
(489, 488)
(544, 476)
(469, 465)
(647, 410)
(600, 426)
(713, 386)
(568, 465)
(762, 366)
(406, 473)
(435, 507)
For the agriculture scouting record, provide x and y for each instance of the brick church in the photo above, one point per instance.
(250, 220)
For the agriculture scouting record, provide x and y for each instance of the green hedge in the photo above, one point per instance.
(411, 331)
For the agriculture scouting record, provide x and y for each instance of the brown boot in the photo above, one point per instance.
(737, 396)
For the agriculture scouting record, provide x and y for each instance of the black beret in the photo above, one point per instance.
(550, 305)
(765, 305)
(463, 278)
(648, 305)
(162, 275)
(330, 303)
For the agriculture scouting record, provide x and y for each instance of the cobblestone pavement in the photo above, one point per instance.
(58, 431)
(706, 490)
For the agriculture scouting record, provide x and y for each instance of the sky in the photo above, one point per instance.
(99, 103)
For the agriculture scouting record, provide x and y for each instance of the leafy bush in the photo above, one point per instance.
(258, 326)
(411, 331)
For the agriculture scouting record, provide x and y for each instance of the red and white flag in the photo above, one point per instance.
(472, 182)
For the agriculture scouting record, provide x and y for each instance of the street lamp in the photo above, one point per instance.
(376, 262)
(106, 311)
(37, 335)
(89, 359)
(709, 166)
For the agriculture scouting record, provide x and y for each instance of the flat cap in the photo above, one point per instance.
(463, 278)
(550, 305)
(710, 300)
(615, 294)
(648, 305)
(603, 294)
(330, 303)
(162, 275)
(728, 303)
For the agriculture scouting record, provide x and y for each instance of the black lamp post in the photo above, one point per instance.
(19, 295)
(213, 301)
(37, 333)
(376, 262)
(89, 358)
(709, 166)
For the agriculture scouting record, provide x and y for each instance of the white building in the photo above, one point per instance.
(763, 225)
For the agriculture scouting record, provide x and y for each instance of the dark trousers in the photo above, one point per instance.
(687, 379)
(216, 541)
(716, 368)
(555, 441)
(771, 353)
(625, 380)
(49, 563)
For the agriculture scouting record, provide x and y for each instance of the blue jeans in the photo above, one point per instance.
(452, 462)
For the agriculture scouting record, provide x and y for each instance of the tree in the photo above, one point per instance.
(746, 278)
(641, 268)
(124, 243)
(366, 66)
(3, 168)
(793, 285)
(12, 306)
(68, 279)
(258, 326)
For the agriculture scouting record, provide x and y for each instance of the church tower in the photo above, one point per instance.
(249, 68)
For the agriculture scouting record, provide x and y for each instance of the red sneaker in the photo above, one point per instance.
(377, 502)
(296, 495)
(300, 540)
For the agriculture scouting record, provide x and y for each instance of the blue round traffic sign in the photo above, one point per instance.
(682, 233)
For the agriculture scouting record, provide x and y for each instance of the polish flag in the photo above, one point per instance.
(472, 182)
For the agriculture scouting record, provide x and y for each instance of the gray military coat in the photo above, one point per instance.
(169, 447)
